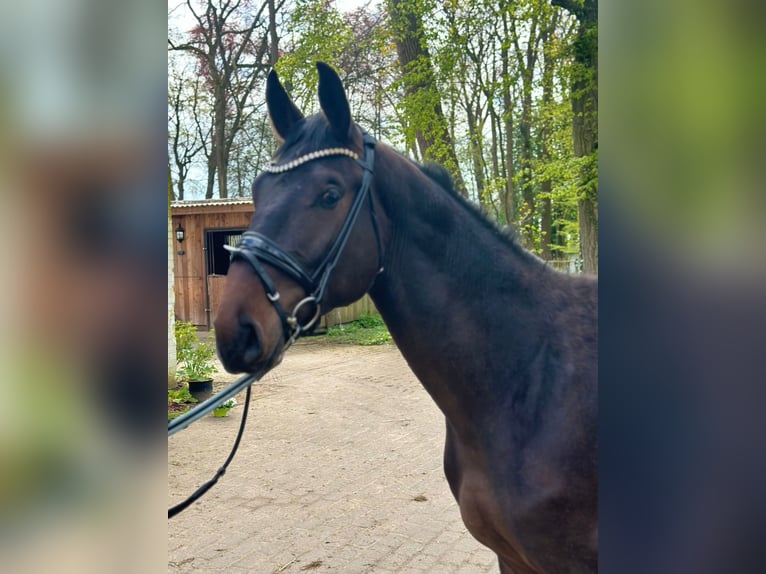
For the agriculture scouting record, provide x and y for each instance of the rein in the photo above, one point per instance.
(255, 248)
(214, 401)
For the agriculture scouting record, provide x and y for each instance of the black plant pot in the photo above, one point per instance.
(201, 390)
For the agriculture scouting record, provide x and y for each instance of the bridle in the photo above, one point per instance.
(256, 249)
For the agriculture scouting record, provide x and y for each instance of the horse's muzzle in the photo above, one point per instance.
(239, 345)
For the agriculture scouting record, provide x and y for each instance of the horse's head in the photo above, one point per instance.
(314, 242)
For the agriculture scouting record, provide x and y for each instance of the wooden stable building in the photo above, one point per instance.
(201, 228)
(201, 262)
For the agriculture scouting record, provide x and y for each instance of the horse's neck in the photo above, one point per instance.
(457, 298)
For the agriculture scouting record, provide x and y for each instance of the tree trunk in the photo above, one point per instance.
(496, 159)
(219, 135)
(585, 123)
(546, 202)
(528, 227)
(494, 148)
(222, 170)
(546, 220)
(585, 134)
(422, 102)
(476, 156)
(588, 215)
(526, 60)
(508, 201)
(210, 175)
(274, 44)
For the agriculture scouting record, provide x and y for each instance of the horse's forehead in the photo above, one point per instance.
(310, 135)
(274, 191)
(274, 211)
(284, 191)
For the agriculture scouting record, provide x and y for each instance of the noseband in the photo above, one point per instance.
(256, 249)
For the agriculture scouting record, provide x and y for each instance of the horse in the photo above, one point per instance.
(504, 344)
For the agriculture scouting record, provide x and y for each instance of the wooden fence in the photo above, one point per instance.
(364, 306)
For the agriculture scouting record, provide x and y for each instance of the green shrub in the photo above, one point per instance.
(194, 357)
(186, 339)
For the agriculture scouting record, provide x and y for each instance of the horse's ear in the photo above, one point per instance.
(282, 111)
(332, 99)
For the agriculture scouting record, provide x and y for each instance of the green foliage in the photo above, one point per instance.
(179, 401)
(319, 33)
(186, 339)
(367, 330)
(369, 321)
(488, 92)
(194, 356)
(181, 395)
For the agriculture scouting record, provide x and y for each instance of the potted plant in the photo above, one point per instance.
(195, 359)
(224, 408)
(180, 400)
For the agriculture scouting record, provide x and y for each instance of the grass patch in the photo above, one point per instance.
(367, 330)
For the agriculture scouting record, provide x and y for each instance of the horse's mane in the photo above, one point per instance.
(508, 235)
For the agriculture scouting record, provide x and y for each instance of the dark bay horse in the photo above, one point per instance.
(505, 345)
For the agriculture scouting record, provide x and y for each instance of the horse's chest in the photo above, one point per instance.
(485, 515)
(485, 518)
(532, 529)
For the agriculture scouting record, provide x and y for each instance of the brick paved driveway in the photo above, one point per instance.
(340, 470)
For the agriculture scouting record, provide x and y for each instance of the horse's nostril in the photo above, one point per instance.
(249, 341)
(239, 342)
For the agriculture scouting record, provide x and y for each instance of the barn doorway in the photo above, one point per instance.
(217, 264)
(217, 256)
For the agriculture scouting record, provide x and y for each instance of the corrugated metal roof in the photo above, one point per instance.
(209, 202)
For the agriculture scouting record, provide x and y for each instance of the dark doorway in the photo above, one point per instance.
(217, 256)
(217, 261)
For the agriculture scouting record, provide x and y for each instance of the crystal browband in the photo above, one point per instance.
(274, 168)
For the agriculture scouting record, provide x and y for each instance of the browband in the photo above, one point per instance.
(272, 167)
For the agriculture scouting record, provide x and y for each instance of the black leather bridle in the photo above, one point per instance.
(257, 249)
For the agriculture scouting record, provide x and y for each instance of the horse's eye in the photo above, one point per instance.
(329, 198)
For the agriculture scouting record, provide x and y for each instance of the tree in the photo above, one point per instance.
(585, 122)
(171, 292)
(422, 102)
(185, 133)
(358, 45)
(495, 92)
(526, 62)
(546, 205)
(231, 44)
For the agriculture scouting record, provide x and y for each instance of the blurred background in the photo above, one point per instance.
(83, 226)
(83, 324)
(682, 282)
